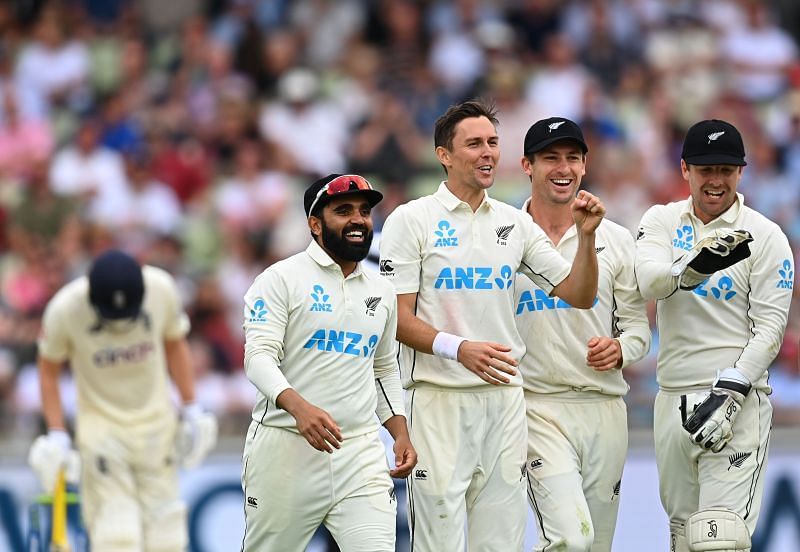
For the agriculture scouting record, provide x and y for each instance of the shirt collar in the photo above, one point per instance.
(728, 216)
(321, 257)
(450, 201)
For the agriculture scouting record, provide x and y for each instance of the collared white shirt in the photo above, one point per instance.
(461, 264)
(121, 377)
(735, 318)
(556, 334)
(330, 338)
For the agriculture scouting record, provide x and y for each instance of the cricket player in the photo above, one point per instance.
(572, 370)
(722, 277)
(122, 329)
(320, 348)
(452, 257)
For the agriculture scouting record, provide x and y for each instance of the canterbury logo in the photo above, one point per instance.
(252, 502)
(554, 126)
(714, 135)
(738, 459)
(371, 303)
(421, 474)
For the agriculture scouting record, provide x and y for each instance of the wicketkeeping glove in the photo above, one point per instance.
(197, 435)
(49, 453)
(711, 423)
(725, 248)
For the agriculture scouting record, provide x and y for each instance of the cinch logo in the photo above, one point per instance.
(258, 313)
(539, 300)
(340, 341)
(473, 277)
(445, 236)
(134, 353)
(371, 303)
(320, 298)
(684, 238)
(786, 280)
(503, 233)
(722, 291)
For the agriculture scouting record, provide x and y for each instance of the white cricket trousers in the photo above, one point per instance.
(291, 489)
(471, 465)
(130, 499)
(577, 444)
(692, 478)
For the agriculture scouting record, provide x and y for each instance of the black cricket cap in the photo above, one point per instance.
(349, 184)
(116, 285)
(548, 131)
(713, 142)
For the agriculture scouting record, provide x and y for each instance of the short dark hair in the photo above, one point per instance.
(445, 128)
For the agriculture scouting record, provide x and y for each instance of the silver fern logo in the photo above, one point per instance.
(714, 136)
(372, 304)
(738, 459)
(554, 126)
(502, 234)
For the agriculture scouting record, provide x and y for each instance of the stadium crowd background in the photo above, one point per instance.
(185, 132)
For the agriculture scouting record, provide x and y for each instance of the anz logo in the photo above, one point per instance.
(539, 300)
(320, 298)
(473, 277)
(342, 341)
(444, 235)
(786, 280)
(684, 238)
(258, 314)
(721, 291)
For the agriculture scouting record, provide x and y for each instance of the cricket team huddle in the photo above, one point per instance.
(491, 346)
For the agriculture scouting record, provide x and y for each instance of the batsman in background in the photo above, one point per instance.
(452, 257)
(122, 329)
(722, 276)
(320, 348)
(572, 370)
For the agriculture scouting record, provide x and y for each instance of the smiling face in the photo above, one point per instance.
(344, 228)
(556, 172)
(713, 188)
(472, 159)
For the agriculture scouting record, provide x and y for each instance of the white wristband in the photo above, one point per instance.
(446, 345)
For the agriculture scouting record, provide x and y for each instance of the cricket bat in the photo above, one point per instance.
(58, 538)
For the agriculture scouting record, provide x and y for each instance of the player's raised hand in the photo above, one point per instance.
(604, 353)
(314, 424)
(405, 457)
(488, 360)
(587, 212)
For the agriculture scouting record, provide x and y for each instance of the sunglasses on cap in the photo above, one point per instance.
(341, 184)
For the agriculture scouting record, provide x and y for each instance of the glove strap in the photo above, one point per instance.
(733, 380)
(191, 411)
(60, 437)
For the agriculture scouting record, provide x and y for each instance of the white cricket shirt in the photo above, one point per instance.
(556, 334)
(330, 338)
(121, 377)
(461, 264)
(735, 318)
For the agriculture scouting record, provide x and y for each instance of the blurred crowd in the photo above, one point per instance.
(185, 132)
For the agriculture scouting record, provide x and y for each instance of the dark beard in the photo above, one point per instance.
(341, 248)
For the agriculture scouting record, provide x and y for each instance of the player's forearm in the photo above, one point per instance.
(579, 288)
(180, 368)
(411, 330)
(397, 428)
(52, 409)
